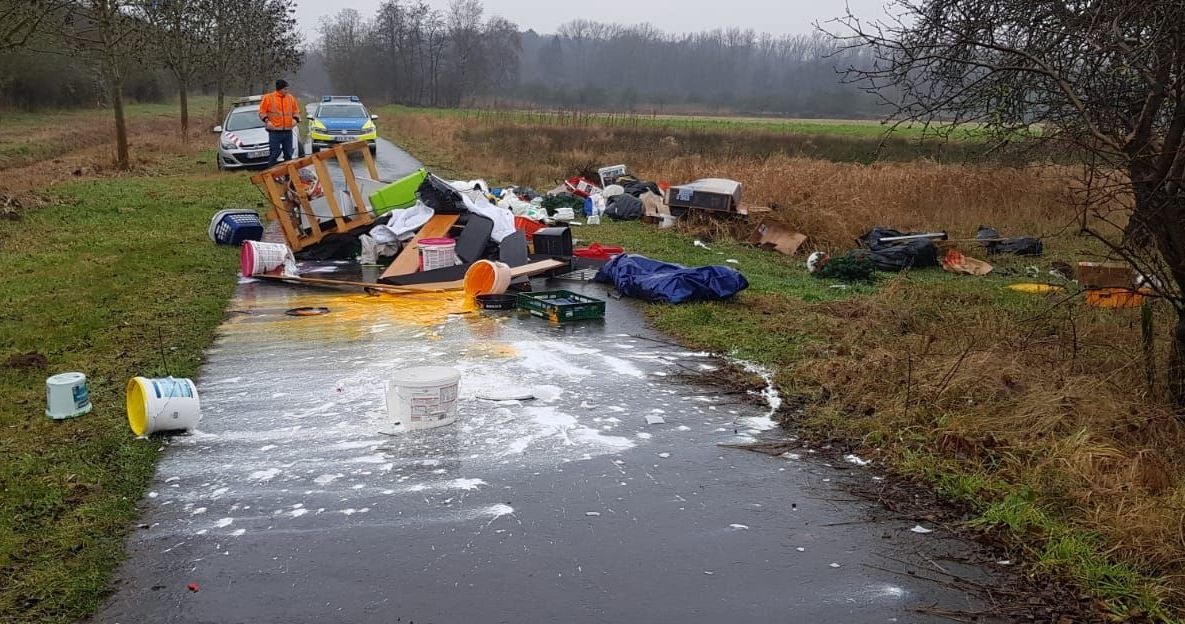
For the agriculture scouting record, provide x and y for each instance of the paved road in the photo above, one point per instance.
(292, 505)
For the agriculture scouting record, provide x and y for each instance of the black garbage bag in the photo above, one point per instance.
(440, 196)
(995, 244)
(639, 188)
(624, 208)
(898, 256)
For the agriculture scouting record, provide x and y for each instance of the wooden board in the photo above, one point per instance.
(409, 259)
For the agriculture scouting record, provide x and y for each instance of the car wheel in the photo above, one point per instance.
(316, 149)
(374, 148)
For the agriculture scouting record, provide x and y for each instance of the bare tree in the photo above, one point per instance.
(108, 33)
(20, 19)
(251, 42)
(179, 38)
(1103, 80)
(345, 45)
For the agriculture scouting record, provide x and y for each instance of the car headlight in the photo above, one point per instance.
(368, 126)
(227, 145)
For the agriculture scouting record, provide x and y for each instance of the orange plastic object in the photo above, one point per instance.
(1114, 298)
(487, 278)
(528, 226)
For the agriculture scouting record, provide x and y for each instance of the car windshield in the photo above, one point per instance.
(245, 119)
(341, 111)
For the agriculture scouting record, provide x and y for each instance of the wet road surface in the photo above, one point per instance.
(292, 504)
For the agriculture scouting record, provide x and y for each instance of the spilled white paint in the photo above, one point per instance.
(224, 522)
(739, 527)
(265, 475)
(326, 479)
(857, 461)
(466, 484)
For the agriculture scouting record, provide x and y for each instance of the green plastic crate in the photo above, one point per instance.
(398, 194)
(561, 305)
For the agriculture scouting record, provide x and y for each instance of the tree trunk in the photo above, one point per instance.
(183, 92)
(121, 127)
(1164, 216)
(221, 89)
(1176, 370)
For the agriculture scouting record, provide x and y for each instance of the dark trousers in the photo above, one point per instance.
(277, 141)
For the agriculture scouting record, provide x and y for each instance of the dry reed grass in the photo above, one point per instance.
(832, 202)
(1051, 399)
(87, 149)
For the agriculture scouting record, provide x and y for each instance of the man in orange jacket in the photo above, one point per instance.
(280, 114)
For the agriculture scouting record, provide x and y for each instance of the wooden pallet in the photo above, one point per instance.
(288, 211)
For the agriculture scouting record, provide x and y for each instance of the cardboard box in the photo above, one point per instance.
(609, 175)
(778, 238)
(708, 194)
(1092, 275)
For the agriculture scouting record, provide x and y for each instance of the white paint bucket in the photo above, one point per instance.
(165, 404)
(423, 397)
(67, 396)
(437, 253)
(257, 258)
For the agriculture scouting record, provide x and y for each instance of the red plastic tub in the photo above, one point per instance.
(597, 251)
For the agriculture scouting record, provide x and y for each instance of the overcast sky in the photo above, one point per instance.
(776, 16)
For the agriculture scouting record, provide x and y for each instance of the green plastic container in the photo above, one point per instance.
(398, 194)
(561, 305)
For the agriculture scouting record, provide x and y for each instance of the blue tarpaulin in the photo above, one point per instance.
(642, 278)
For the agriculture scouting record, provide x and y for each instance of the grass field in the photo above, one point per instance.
(862, 129)
(114, 277)
(1032, 412)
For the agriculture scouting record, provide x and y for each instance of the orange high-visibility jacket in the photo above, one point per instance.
(279, 110)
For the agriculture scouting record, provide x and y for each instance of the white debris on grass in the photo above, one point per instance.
(856, 460)
(921, 529)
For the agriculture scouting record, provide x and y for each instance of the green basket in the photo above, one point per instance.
(561, 305)
(398, 194)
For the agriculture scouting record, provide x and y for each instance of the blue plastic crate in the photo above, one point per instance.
(233, 227)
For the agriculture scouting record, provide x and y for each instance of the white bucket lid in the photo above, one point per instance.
(65, 379)
(425, 377)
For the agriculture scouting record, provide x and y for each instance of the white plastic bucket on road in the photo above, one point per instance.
(163, 404)
(438, 253)
(257, 258)
(423, 397)
(67, 396)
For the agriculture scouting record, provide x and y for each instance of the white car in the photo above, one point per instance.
(243, 141)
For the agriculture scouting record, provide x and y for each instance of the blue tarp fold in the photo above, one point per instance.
(642, 278)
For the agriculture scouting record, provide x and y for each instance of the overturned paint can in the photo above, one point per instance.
(164, 404)
(67, 396)
(258, 258)
(423, 397)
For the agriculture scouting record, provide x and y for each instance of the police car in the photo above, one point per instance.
(243, 141)
(340, 119)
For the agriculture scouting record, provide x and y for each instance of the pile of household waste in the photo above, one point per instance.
(423, 233)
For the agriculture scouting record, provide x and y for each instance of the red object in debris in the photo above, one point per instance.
(528, 226)
(581, 187)
(193, 587)
(597, 251)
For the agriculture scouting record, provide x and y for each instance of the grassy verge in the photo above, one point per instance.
(864, 129)
(813, 336)
(115, 278)
(1032, 412)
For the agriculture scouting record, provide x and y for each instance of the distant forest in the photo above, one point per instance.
(410, 53)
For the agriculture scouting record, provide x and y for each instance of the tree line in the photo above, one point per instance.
(85, 52)
(410, 53)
